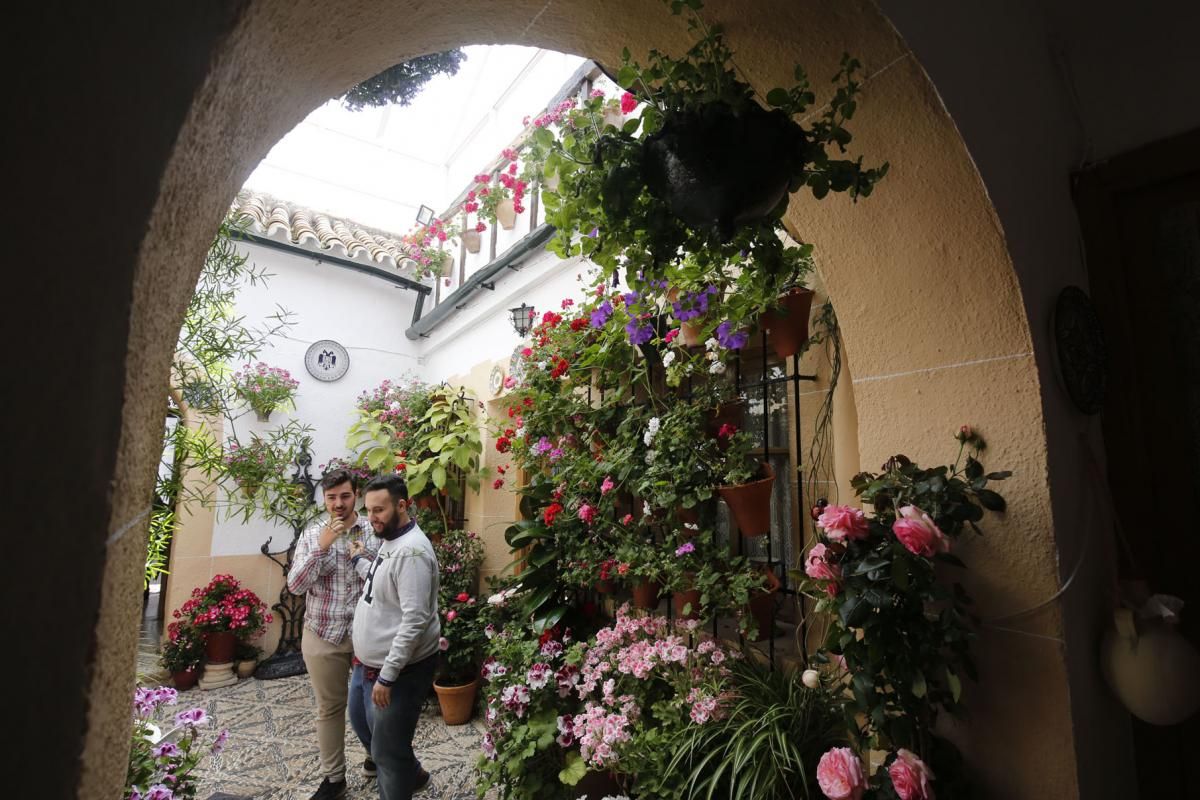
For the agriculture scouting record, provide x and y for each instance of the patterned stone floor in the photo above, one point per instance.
(272, 749)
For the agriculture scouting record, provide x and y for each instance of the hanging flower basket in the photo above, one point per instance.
(446, 267)
(457, 702)
(506, 213)
(787, 328)
(721, 167)
(472, 240)
(750, 503)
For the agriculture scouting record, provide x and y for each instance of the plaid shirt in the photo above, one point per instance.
(330, 583)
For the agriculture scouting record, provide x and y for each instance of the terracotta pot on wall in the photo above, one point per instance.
(691, 332)
(472, 240)
(447, 266)
(264, 415)
(605, 587)
(731, 412)
(457, 702)
(750, 503)
(683, 599)
(219, 647)
(762, 605)
(506, 214)
(787, 329)
(645, 595)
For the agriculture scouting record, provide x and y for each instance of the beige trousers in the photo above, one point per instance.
(329, 670)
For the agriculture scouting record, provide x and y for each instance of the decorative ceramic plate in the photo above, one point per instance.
(327, 360)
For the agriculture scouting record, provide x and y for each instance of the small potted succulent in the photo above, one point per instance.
(265, 388)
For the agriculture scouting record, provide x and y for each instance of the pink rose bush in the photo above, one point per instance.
(901, 627)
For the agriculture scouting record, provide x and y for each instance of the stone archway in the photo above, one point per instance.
(932, 313)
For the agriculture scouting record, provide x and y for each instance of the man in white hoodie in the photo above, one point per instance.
(396, 633)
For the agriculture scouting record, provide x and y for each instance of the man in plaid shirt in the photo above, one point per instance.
(331, 578)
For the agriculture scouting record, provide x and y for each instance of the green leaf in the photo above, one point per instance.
(955, 685)
(439, 476)
(575, 769)
(918, 685)
(990, 500)
(777, 97)
(870, 564)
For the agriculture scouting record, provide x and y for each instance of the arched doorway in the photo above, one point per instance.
(931, 350)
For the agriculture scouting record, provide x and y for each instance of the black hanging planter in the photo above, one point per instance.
(722, 167)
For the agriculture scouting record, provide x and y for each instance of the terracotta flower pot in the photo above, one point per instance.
(787, 329)
(645, 595)
(683, 599)
(605, 587)
(457, 702)
(692, 332)
(219, 647)
(688, 516)
(472, 240)
(427, 502)
(264, 415)
(762, 605)
(506, 213)
(245, 669)
(598, 784)
(184, 680)
(446, 268)
(732, 412)
(249, 488)
(750, 503)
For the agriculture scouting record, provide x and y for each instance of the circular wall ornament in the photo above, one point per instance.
(1079, 349)
(326, 360)
(516, 364)
(496, 380)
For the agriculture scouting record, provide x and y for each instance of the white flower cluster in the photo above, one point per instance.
(651, 431)
(717, 367)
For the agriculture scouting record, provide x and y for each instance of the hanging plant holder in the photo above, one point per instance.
(472, 240)
(720, 167)
(750, 503)
(506, 213)
(787, 329)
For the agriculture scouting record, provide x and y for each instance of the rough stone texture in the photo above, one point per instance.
(140, 123)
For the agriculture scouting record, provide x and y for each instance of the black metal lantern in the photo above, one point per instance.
(522, 318)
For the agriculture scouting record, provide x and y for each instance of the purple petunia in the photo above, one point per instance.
(639, 334)
(729, 339)
(600, 315)
(193, 716)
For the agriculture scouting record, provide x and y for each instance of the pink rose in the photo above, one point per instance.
(911, 777)
(840, 775)
(918, 533)
(817, 565)
(843, 522)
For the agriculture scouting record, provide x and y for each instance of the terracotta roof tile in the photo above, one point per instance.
(320, 232)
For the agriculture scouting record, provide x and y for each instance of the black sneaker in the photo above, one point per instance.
(422, 780)
(328, 790)
(369, 767)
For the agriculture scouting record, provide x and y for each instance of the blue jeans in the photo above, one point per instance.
(392, 730)
(363, 714)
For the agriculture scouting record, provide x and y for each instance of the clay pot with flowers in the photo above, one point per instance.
(182, 654)
(224, 613)
(462, 641)
(430, 247)
(748, 486)
(502, 198)
(265, 388)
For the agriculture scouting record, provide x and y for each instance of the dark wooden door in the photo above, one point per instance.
(1141, 219)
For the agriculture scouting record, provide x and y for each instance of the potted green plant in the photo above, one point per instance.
(246, 655)
(462, 642)
(460, 554)
(747, 487)
(182, 653)
(426, 246)
(766, 743)
(501, 197)
(265, 388)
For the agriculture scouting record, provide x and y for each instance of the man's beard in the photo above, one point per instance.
(389, 527)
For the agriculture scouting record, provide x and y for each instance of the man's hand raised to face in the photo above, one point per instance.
(330, 532)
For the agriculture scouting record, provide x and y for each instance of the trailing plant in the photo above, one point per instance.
(767, 743)
(260, 471)
(426, 245)
(900, 625)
